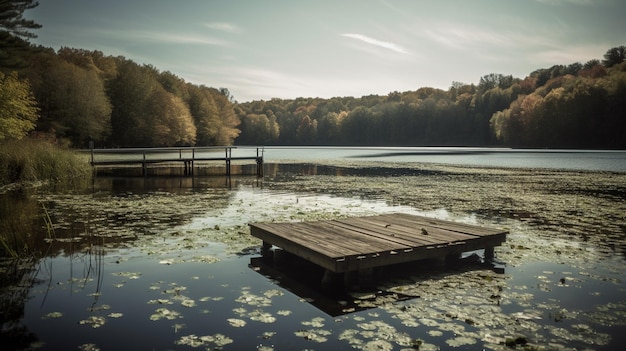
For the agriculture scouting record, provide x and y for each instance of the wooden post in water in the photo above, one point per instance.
(228, 154)
(144, 171)
(259, 163)
(489, 253)
(91, 147)
(193, 157)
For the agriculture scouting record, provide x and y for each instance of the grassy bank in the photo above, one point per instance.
(31, 161)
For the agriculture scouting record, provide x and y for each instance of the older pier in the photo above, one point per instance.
(360, 244)
(186, 157)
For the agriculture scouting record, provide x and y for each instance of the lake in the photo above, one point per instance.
(168, 262)
(595, 160)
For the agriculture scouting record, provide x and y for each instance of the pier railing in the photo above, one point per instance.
(187, 157)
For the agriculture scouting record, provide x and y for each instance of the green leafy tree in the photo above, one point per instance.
(18, 107)
(174, 84)
(170, 122)
(329, 127)
(258, 129)
(307, 131)
(614, 56)
(73, 101)
(105, 66)
(205, 115)
(12, 20)
(228, 128)
(14, 30)
(130, 93)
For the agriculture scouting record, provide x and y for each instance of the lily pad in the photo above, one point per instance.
(94, 321)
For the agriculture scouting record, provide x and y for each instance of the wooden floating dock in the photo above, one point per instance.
(363, 243)
(187, 157)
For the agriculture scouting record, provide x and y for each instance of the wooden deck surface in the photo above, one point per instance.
(358, 243)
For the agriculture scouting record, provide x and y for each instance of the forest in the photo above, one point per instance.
(78, 98)
(564, 106)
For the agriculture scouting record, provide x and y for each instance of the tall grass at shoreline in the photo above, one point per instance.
(32, 160)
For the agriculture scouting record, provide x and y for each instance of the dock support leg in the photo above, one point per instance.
(453, 259)
(266, 247)
(332, 281)
(259, 167)
(366, 278)
(489, 253)
(266, 253)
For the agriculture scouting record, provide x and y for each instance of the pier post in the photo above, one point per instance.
(91, 147)
(227, 158)
(266, 247)
(332, 281)
(143, 165)
(489, 253)
(259, 163)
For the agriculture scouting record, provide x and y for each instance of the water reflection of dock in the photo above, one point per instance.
(187, 157)
(353, 247)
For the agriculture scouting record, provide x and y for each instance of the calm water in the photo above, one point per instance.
(167, 263)
(614, 161)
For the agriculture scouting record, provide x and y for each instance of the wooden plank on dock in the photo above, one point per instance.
(357, 243)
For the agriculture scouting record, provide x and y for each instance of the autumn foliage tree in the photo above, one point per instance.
(18, 107)
(170, 123)
(74, 104)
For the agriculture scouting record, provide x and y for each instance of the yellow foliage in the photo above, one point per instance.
(18, 107)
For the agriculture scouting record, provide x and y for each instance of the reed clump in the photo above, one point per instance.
(29, 160)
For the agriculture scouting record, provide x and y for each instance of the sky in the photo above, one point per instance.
(263, 49)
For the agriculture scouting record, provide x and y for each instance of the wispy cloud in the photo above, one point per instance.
(567, 2)
(164, 38)
(469, 37)
(224, 27)
(383, 44)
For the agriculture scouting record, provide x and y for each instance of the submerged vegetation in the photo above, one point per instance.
(176, 259)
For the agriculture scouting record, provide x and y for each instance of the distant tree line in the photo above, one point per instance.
(573, 106)
(75, 96)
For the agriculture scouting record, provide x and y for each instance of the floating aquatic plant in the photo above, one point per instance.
(52, 315)
(317, 322)
(260, 316)
(547, 219)
(237, 323)
(93, 321)
(188, 303)
(377, 345)
(164, 313)
(129, 275)
(461, 341)
(210, 342)
(316, 335)
(178, 326)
